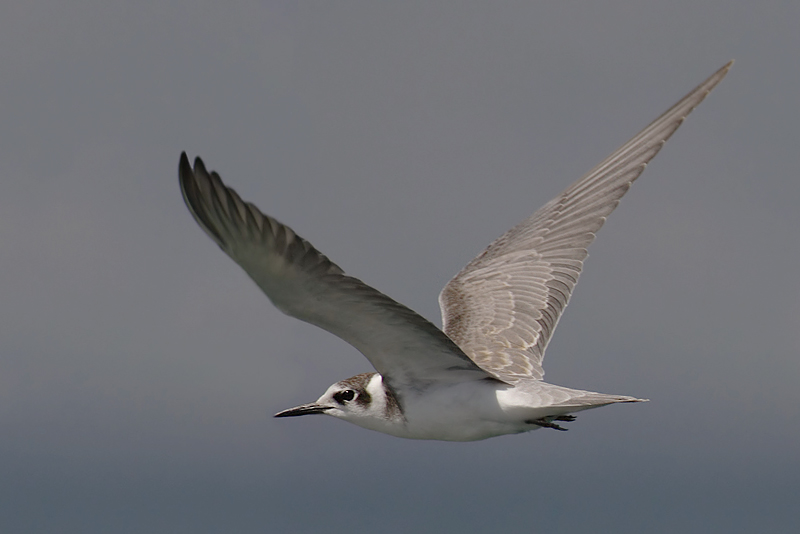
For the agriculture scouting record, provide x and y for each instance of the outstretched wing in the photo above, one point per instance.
(303, 283)
(503, 307)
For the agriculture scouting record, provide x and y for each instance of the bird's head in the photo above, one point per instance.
(362, 400)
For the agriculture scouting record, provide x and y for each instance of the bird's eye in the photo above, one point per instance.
(344, 396)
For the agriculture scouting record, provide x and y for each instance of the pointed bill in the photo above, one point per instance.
(304, 409)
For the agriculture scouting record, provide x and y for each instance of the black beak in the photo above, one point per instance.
(305, 409)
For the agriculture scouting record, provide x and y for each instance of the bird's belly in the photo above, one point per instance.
(462, 412)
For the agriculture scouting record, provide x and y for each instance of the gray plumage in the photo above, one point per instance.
(478, 377)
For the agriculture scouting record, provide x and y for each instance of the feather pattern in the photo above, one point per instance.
(303, 283)
(503, 307)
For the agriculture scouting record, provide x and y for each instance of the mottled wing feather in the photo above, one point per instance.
(303, 283)
(503, 307)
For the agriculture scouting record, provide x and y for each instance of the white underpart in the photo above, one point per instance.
(475, 411)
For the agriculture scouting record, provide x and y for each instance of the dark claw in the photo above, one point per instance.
(567, 418)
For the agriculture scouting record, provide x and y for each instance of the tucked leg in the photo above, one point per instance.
(548, 423)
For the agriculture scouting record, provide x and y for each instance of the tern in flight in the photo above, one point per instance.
(478, 377)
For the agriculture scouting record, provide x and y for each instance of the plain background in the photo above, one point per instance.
(139, 367)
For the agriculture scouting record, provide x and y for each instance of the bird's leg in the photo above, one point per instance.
(547, 422)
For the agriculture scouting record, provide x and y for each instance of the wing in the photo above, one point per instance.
(503, 307)
(303, 283)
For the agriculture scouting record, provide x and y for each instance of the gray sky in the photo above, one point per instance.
(139, 367)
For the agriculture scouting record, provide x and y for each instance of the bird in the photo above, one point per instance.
(481, 374)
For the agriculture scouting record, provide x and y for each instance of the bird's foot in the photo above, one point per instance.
(547, 422)
(567, 418)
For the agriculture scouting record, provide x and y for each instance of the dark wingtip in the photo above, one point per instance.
(184, 168)
(199, 166)
(186, 179)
